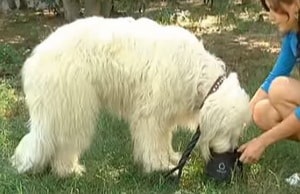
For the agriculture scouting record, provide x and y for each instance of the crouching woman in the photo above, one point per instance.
(276, 104)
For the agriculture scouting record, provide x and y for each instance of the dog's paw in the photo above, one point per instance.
(79, 169)
(175, 157)
(166, 163)
(21, 164)
(66, 170)
(158, 167)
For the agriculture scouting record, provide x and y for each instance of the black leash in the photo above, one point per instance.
(186, 154)
(191, 145)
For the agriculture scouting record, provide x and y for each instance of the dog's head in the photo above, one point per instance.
(223, 117)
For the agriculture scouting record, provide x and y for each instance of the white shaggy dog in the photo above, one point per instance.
(155, 77)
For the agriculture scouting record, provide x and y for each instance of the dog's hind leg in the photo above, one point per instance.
(152, 145)
(78, 119)
(62, 121)
(35, 148)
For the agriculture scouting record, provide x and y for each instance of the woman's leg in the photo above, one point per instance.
(284, 97)
(265, 116)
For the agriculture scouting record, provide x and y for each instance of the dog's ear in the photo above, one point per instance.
(223, 65)
(200, 91)
(201, 44)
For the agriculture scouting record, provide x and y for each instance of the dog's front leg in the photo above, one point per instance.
(152, 145)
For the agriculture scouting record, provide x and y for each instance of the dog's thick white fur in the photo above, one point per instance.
(153, 76)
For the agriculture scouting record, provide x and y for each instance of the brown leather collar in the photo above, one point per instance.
(214, 87)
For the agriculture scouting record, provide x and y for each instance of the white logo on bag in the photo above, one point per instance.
(222, 168)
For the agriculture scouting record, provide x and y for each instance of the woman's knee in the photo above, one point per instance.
(258, 116)
(278, 90)
(264, 115)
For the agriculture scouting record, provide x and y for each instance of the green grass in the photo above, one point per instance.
(109, 161)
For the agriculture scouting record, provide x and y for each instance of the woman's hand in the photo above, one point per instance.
(252, 151)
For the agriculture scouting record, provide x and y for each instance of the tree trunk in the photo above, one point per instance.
(30, 4)
(106, 6)
(92, 7)
(11, 4)
(71, 9)
(23, 4)
(98, 7)
(4, 8)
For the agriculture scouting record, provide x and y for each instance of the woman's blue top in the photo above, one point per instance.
(284, 63)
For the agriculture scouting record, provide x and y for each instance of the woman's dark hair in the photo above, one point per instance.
(277, 7)
(264, 4)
